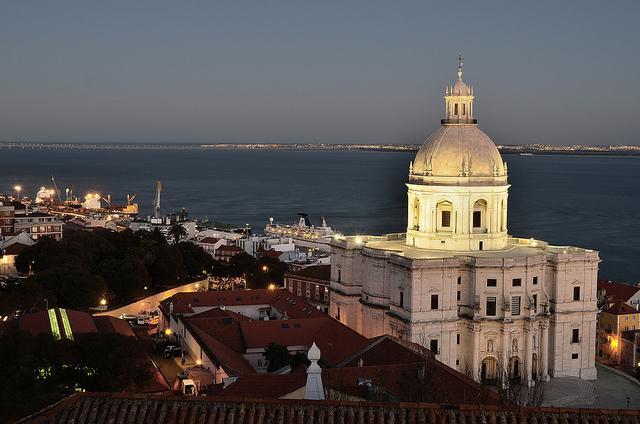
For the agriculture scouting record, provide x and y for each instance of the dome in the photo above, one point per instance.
(460, 88)
(457, 151)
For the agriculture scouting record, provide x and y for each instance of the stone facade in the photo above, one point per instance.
(488, 304)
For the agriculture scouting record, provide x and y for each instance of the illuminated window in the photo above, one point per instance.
(446, 219)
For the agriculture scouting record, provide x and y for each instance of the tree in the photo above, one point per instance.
(277, 355)
(177, 232)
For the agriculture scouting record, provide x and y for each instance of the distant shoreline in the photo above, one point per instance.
(535, 150)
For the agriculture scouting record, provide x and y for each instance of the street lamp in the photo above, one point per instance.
(103, 302)
(167, 331)
(272, 286)
(265, 268)
(18, 189)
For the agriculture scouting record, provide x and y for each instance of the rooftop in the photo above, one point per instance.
(618, 291)
(516, 248)
(90, 408)
(315, 272)
(621, 308)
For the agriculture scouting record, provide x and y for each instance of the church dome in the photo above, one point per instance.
(456, 151)
(460, 88)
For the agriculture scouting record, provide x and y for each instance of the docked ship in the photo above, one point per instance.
(304, 233)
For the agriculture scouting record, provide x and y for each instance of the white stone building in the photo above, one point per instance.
(489, 304)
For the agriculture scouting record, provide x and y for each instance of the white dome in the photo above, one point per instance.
(460, 88)
(459, 150)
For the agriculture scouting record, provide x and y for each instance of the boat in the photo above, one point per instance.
(304, 233)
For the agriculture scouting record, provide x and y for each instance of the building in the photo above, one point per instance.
(7, 218)
(63, 323)
(613, 321)
(610, 293)
(487, 303)
(224, 253)
(38, 225)
(10, 248)
(312, 284)
(630, 349)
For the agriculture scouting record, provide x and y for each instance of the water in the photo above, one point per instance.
(576, 200)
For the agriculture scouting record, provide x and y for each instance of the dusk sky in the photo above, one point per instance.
(553, 72)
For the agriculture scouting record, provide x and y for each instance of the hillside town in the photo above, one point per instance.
(108, 316)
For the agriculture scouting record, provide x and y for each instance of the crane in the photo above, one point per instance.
(108, 200)
(130, 199)
(156, 201)
(55, 186)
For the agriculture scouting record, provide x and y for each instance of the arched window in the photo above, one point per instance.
(479, 217)
(455, 109)
(444, 212)
(416, 215)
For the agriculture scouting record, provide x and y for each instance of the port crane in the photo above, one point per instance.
(156, 201)
(55, 186)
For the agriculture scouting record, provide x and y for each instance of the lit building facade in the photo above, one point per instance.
(488, 304)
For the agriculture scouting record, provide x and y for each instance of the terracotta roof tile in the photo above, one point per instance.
(316, 272)
(621, 308)
(618, 291)
(90, 408)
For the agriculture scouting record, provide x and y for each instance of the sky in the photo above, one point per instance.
(557, 72)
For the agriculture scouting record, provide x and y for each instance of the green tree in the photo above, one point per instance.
(177, 232)
(277, 355)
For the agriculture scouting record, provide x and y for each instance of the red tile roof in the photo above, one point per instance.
(335, 340)
(39, 322)
(621, 308)
(109, 324)
(281, 299)
(209, 240)
(90, 408)
(15, 249)
(316, 272)
(264, 386)
(617, 291)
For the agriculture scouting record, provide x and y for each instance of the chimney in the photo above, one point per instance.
(314, 389)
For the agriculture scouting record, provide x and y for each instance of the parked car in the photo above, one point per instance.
(172, 351)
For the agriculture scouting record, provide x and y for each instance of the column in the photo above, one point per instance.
(476, 352)
(506, 346)
(528, 355)
(544, 350)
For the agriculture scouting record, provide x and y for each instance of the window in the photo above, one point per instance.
(455, 109)
(492, 282)
(574, 356)
(446, 219)
(339, 276)
(464, 109)
(338, 314)
(402, 299)
(534, 305)
(458, 296)
(515, 305)
(459, 280)
(434, 301)
(576, 293)
(575, 335)
(516, 282)
(491, 306)
(433, 346)
(457, 338)
(457, 362)
(480, 246)
(477, 219)
(535, 280)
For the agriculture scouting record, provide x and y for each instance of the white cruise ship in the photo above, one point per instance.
(303, 233)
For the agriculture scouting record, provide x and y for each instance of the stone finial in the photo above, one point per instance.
(314, 389)
(410, 167)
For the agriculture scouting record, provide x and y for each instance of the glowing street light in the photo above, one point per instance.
(272, 286)
(198, 361)
(265, 268)
(167, 331)
(103, 302)
(18, 189)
